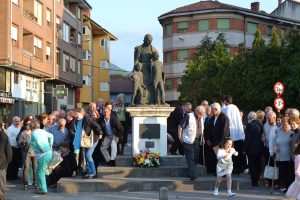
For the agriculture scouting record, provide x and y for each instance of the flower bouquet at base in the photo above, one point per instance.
(146, 159)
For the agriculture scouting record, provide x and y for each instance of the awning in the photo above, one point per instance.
(7, 100)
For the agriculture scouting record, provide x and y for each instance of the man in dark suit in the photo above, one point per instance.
(112, 131)
(254, 147)
(218, 127)
(173, 122)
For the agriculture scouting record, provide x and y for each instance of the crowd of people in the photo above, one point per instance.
(33, 142)
(220, 137)
(217, 136)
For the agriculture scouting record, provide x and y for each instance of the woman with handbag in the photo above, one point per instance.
(87, 136)
(283, 151)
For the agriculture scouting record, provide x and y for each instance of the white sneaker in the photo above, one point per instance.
(231, 194)
(216, 192)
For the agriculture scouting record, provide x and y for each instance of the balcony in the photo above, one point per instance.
(28, 14)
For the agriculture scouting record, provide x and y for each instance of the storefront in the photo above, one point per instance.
(6, 107)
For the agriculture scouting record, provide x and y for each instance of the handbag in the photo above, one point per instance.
(271, 172)
(87, 141)
(55, 161)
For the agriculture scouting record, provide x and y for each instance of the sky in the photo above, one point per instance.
(130, 20)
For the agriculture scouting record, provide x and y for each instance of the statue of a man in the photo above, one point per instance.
(143, 54)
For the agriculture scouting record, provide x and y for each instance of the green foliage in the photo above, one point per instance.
(249, 76)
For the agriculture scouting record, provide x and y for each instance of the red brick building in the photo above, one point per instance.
(185, 27)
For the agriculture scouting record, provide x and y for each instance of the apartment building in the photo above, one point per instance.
(69, 57)
(185, 27)
(96, 60)
(33, 44)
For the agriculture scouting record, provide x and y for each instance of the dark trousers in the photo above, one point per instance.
(239, 162)
(210, 159)
(197, 150)
(29, 160)
(13, 167)
(177, 145)
(124, 139)
(2, 184)
(57, 174)
(285, 170)
(189, 152)
(254, 168)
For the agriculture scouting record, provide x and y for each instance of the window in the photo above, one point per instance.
(14, 35)
(183, 54)
(104, 86)
(37, 51)
(182, 26)
(228, 51)
(169, 84)
(169, 30)
(66, 32)
(38, 12)
(104, 64)
(203, 25)
(85, 30)
(48, 17)
(79, 39)
(270, 28)
(251, 27)
(16, 2)
(57, 57)
(282, 33)
(85, 55)
(57, 22)
(78, 13)
(16, 78)
(8, 81)
(66, 62)
(72, 64)
(79, 66)
(104, 42)
(2, 79)
(48, 52)
(223, 24)
(86, 80)
(168, 57)
(179, 81)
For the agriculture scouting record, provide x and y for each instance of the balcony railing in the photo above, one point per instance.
(29, 15)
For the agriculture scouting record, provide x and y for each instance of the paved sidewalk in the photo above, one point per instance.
(16, 192)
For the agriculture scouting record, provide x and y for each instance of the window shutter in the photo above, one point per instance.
(14, 33)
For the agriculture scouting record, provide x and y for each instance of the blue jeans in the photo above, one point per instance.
(90, 166)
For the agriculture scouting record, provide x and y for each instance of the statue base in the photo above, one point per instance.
(149, 128)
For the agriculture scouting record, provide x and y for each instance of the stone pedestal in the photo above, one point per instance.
(149, 128)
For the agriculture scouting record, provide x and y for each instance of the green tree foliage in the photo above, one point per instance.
(249, 76)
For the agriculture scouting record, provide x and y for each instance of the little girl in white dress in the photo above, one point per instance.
(294, 189)
(225, 166)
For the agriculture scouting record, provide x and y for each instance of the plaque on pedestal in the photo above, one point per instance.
(149, 128)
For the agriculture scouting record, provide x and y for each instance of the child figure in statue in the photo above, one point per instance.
(137, 77)
(158, 79)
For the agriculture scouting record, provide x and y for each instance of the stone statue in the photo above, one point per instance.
(138, 86)
(157, 79)
(143, 55)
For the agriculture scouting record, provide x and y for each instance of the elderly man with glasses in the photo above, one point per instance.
(12, 133)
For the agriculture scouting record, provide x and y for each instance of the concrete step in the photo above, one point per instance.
(137, 172)
(171, 160)
(77, 185)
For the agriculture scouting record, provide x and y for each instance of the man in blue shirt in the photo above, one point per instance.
(60, 133)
